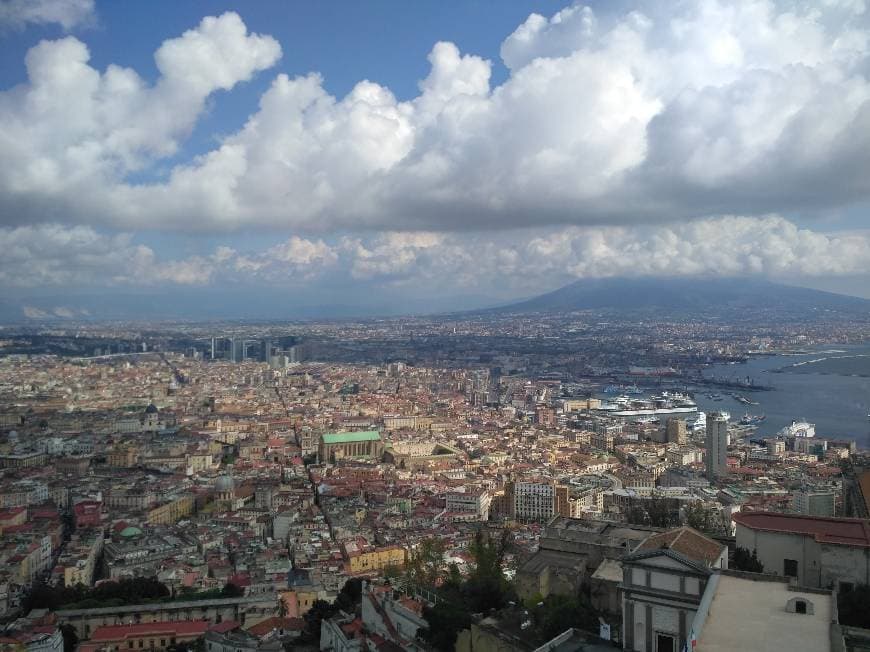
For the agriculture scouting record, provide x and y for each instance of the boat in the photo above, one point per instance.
(752, 419)
(798, 429)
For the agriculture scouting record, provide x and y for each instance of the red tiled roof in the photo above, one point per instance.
(842, 531)
(224, 627)
(177, 628)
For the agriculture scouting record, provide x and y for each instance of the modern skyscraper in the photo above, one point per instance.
(266, 350)
(717, 445)
(237, 349)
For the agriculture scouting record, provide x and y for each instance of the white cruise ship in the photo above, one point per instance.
(798, 429)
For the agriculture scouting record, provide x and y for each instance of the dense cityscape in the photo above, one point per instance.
(388, 326)
(341, 484)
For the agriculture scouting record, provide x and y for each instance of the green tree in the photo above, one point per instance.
(561, 612)
(425, 566)
(746, 561)
(852, 606)
(70, 637)
(350, 596)
(703, 518)
(446, 618)
(231, 590)
(661, 512)
(486, 587)
(319, 611)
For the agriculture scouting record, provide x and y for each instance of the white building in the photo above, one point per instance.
(753, 612)
(814, 503)
(475, 502)
(534, 501)
(816, 551)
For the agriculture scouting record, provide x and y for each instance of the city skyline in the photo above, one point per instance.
(402, 155)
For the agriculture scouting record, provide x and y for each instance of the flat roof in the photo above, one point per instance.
(749, 614)
(350, 437)
(824, 529)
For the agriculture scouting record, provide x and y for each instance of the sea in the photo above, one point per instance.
(828, 386)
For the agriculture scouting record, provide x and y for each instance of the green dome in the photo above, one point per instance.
(131, 532)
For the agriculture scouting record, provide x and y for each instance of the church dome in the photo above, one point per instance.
(151, 409)
(224, 483)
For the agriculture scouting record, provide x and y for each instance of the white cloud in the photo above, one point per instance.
(67, 13)
(508, 263)
(686, 110)
(56, 255)
(73, 132)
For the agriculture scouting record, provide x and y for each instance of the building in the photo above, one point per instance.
(364, 559)
(395, 619)
(476, 502)
(570, 551)
(814, 503)
(340, 445)
(663, 583)
(749, 611)
(717, 445)
(151, 636)
(172, 511)
(237, 349)
(87, 513)
(816, 551)
(534, 500)
(675, 431)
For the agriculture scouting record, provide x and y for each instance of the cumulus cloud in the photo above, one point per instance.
(508, 263)
(60, 256)
(67, 13)
(72, 133)
(678, 111)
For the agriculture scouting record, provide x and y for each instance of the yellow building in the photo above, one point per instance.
(172, 511)
(12, 516)
(362, 561)
(200, 462)
(123, 457)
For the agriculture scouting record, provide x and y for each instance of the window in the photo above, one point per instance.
(790, 567)
(800, 607)
(665, 643)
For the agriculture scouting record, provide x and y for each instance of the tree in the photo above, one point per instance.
(703, 518)
(746, 561)
(852, 606)
(426, 563)
(70, 637)
(661, 512)
(320, 610)
(486, 587)
(446, 618)
(231, 590)
(561, 612)
(350, 596)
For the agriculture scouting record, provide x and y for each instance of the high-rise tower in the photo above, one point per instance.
(717, 445)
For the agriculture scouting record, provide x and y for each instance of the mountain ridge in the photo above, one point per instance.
(672, 293)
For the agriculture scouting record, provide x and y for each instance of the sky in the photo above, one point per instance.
(263, 158)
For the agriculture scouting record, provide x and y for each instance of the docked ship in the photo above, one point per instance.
(752, 419)
(661, 407)
(798, 429)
